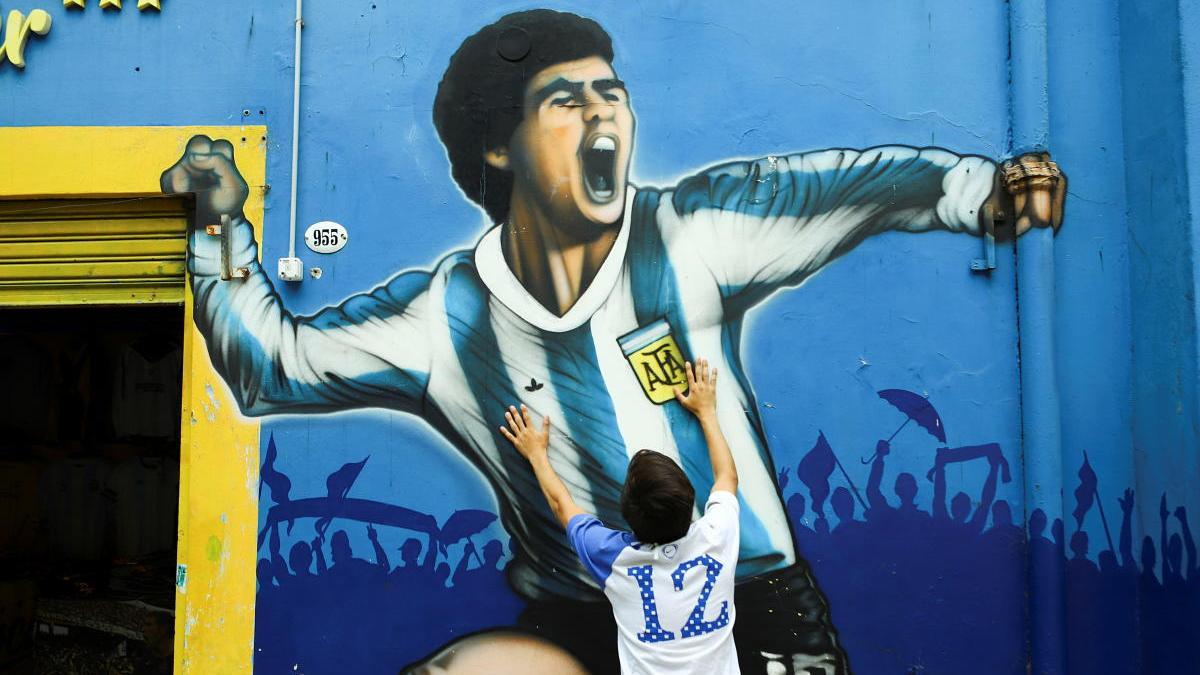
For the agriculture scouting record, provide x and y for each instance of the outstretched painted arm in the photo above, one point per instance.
(986, 497)
(463, 562)
(1188, 542)
(1162, 538)
(773, 222)
(1126, 540)
(429, 562)
(381, 559)
(369, 351)
(319, 554)
(939, 486)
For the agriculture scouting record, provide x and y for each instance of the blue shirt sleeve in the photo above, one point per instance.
(596, 545)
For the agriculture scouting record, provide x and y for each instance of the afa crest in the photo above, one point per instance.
(656, 360)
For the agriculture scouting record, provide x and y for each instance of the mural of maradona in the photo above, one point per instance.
(580, 303)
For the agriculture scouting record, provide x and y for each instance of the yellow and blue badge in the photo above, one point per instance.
(656, 360)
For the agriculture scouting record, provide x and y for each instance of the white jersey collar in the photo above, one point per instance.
(499, 279)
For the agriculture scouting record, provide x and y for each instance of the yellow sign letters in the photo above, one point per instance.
(17, 30)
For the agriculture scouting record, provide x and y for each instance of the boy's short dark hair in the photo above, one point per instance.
(480, 100)
(657, 499)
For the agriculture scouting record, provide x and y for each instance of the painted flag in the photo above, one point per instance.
(339, 482)
(337, 485)
(279, 483)
(1085, 494)
(814, 470)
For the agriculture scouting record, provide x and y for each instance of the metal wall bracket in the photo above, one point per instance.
(225, 232)
(988, 262)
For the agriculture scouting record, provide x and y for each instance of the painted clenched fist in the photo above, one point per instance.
(207, 169)
(1030, 193)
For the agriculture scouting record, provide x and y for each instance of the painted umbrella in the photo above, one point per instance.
(462, 524)
(918, 409)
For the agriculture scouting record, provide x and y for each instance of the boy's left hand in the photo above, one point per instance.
(526, 437)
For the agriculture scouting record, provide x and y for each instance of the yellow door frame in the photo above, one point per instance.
(218, 479)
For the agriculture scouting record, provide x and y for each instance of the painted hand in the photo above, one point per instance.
(207, 169)
(1162, 507)
(1030, 192)
(701, 399)
(1126, 501)
(526, 437)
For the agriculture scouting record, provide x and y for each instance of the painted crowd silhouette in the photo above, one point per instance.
(911, 591)
(941, 591)
(325, 609)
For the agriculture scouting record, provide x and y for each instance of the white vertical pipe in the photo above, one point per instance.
(295, 134)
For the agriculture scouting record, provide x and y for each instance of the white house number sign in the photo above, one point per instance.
(325, 237)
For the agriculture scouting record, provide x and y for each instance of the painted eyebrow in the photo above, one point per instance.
(558, 84)
(561, 84)
(607, 84)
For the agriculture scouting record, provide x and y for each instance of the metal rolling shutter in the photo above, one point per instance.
(92, 252)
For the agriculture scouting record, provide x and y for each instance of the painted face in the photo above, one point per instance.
(571, 151)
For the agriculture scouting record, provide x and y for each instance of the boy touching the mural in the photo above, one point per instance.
(670, 581)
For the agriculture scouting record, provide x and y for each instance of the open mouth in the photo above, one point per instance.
(599, 159)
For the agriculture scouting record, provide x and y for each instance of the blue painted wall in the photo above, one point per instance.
(709, 83)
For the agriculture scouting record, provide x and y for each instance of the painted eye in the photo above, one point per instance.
(564, 102)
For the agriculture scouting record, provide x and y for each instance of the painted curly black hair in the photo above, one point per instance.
(479, 101)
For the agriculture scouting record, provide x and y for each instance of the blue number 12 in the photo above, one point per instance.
(696, 625)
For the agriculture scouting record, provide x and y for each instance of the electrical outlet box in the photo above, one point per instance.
(291, 269)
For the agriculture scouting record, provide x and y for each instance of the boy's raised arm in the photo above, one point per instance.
(701, 401)
(534, 445)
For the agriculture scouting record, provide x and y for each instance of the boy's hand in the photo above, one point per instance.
(534, 444)
(701, 399)
(530, 441)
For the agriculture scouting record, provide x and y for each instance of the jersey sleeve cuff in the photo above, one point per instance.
(965, 188)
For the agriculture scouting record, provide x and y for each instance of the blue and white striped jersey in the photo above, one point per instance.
(458, 344)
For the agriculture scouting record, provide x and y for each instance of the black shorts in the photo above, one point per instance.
(782, 618)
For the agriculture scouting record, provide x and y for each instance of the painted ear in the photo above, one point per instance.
(497, 158)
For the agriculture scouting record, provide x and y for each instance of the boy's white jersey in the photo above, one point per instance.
(673, 602)
(458, 344)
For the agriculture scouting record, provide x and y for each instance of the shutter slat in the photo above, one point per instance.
(84, 252)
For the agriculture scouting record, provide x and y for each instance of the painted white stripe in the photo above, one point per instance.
(451, 389)
(701, 300)
(642, 423)
(523, 353)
